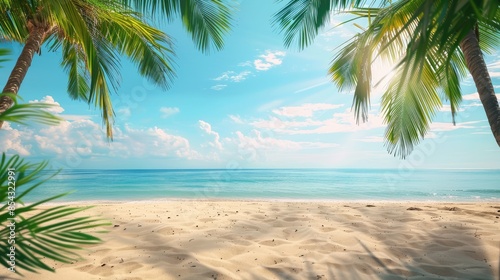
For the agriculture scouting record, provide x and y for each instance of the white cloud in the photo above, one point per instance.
(233, 76)
(269, 60)
(69, 137)
(337, 29)
(207, 128)
(218, 87)
(72, 140)
(55, 108)
(124, 113)
(475, 96)
(443, 126)
(151, 142)
(168, 111)
(372, 139)
(258, 141)
(472, 96)
(305, 110)
(245, 64)
(313, 86)
(269, 105)
(339, 122)
(264, 62)
(279, 125)
(237, 119)
(447, 108)
(11, 140)
(77, 117)
(494, 65)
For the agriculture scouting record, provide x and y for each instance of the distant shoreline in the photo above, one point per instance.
(265, 200)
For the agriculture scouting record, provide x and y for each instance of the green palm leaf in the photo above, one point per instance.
(422, 39)
(30, 112)
(300, 20)
(94, 34)
(408, 107)
(206, 20)
(50, 233)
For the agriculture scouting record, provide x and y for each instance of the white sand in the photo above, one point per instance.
(289, 240)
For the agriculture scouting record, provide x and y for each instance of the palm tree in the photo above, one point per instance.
(432, 45)
(92, 34)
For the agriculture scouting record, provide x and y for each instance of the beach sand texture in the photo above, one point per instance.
(289, 240)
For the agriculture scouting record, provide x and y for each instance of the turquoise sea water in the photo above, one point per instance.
(286, 184)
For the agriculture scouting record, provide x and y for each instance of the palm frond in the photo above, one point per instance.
(13, 21)
(93, 35)
(78, 76)
(208, 21)
(408, 107)
(51, 233)
(146, 46)
(29, 113)
(301, 20)
(450, 79)
(421, 37)
(352, 68)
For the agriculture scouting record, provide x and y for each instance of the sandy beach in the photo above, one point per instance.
(289, 240)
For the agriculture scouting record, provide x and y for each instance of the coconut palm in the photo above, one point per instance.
(432, 45)
(93, 34)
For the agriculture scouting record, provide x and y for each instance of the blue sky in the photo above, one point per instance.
(254, 104)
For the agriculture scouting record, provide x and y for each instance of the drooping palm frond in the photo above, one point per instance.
(50, 233)
(352, 68)
(419, 37)
(78, 75)
(408, 107)
(412, 97)
(450, 79)
(208, 21)
(93, 35)
(149, 48)
(301, 20)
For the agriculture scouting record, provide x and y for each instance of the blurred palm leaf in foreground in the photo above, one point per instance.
(50, 233)
(35, 233)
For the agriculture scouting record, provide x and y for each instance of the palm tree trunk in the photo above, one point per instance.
(35, 39)
(477, 67)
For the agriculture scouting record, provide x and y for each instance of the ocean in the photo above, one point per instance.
(274, 184)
